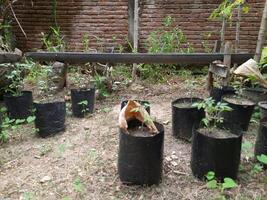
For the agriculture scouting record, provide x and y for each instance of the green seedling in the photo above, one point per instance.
(212, 183)
(213, 112)
(28, 196)
(262, 159)
(15, 75)
(106, 110)
(78, 186)
(84, 105)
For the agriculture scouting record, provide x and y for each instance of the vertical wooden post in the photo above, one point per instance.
(216, 49)
(227, 61)
(135, 36)
(130, 21)
(133, 26)
(237, 35)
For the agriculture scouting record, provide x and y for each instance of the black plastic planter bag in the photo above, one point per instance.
(255, 94)
(261, 142)
(220, 155)
(143, 103)
(239, 116)
(50, 118)
(184, 119)
(217, 93)
(263, 109)
(140, 158)
(19, 107)
(82, 101)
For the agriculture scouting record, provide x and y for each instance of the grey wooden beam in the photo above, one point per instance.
(170, 58)
(9, 57)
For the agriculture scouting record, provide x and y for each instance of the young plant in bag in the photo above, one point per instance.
(17, 72)
(46, 86)
(213, 112)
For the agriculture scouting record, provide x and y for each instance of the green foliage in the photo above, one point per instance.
(247, 149)
(262, 159)
(6, 35)
(45, 85)
(78, 186)
(213, 111)
(226, 8)
(8, 124)
(16, 76)
(169, 39)
(28, 196)
(84, 105)
(212, 183)
(86, 42)
(54, 41)
(79, 80)
(100, 84)
(257, 169)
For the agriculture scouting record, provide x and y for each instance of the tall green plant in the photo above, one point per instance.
(213, 111)
(224, 13)
(16, 76)
(168, 39)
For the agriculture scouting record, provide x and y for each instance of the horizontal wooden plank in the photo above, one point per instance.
(171, 58)
(9, 57)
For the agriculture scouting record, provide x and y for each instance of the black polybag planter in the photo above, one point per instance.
(78, 96)
(217, 93)
(142, 102)
(263, 109)
(185, 119)
(261, 141)
(50, 118)
(19, 107)
(239, 117)
(140, 158)
(255, 94)
(220, 155)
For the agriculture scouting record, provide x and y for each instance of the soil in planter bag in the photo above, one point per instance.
(50, 118)
(140, 157)
(261, 142)
(19, 107)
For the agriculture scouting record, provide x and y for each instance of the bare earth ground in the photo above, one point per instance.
(81, 163)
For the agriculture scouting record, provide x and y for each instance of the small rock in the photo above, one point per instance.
(45, 179)
(166, 122)
(86, 128)
(37, 157)
(168, 158)
(174, 163)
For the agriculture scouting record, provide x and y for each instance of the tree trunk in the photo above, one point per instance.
(261, 36)
(237, 36)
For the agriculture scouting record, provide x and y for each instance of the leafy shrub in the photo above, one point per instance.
(169, 39)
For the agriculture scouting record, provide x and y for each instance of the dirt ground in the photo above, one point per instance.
(81, 163)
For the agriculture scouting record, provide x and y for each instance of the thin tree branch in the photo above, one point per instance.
(14, 14)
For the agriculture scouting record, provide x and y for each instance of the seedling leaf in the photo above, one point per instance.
(212, 184)
(262, 158)
(228, 183)
(30, 119)
(210, 175)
